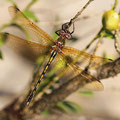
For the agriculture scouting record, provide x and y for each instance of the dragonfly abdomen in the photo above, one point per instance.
(53, 55)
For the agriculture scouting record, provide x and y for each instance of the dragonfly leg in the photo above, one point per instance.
(73, 29)
(40, 77)
(116, 43)
(57, 32)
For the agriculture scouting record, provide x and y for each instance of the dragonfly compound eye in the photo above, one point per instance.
(68, 35)
(62, 32)
(110, 20)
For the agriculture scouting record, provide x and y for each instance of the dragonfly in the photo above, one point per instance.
(41, 42)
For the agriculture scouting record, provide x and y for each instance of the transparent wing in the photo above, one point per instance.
(35, 32)
(72, 71)
(82, 58)
(76, 61)
(28, 49)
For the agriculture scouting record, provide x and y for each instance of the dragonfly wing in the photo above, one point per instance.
(28, 49)
(36, 34)
(72, 71)
(82, 58)
(94, 85)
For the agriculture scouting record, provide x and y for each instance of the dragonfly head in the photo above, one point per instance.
(65, 28)
(65, 33)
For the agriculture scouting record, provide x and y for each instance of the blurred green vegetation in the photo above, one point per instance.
(65, 106)
(87, 93)
(68, 106)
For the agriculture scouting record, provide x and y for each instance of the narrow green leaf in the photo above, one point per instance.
(30, 15)
(109, 35)
(106, 56)
(3, 38)
(87, 93)
(23, 29)
(54, 36)
(68, 106)
(46, 112)
(1, 42)
(30, 4)
(1, 55)
(12, 2)
(115, 5)
(40, 59)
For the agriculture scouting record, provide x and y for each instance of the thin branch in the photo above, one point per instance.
(115, 4)
(79, 13)
(109, 70)
(48, 101)
(30, 4)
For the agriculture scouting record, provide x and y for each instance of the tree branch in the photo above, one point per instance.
(105, 71)
(109, 69)
(49, 101)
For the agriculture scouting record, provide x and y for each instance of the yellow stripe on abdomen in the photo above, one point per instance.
(40, 77)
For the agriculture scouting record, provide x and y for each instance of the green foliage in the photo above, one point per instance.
(30, 4)
(22, 29)
(12, 2)
(45, 112)
(30, 15)
(87, 93)
(1, 55)
(3, 37)
(1, 41)
(67, 106)
(27, 10)
(109, 35)
(106, 56)
(54, 36)
(43, 84)
(50, 77)
(40, 60)
(115, 5)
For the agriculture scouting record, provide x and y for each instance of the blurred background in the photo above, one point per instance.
(15, 72)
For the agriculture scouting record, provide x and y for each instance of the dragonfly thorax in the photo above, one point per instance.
(59, 44)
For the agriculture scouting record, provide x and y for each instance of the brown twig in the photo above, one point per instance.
(109, 70)
(79, 13)
(67, 25)
(48, 101)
